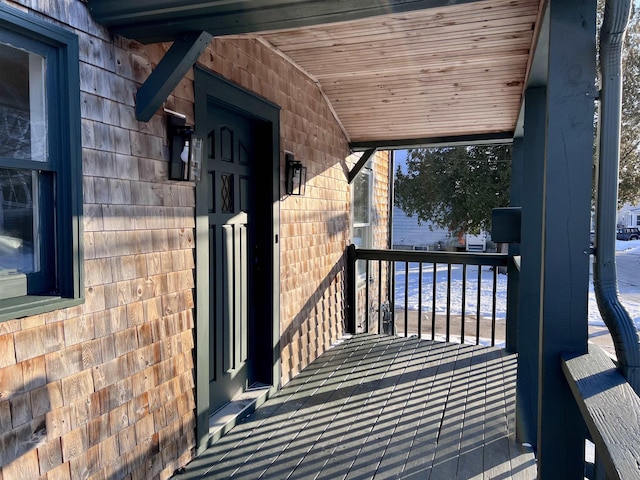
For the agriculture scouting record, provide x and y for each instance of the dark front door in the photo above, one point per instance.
(230, 163)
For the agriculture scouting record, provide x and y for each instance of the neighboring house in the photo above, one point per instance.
(629, 216)
(136, 303)
(408, 232)
(411, 233)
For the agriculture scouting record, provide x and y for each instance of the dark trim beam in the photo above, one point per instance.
(498, 138)
(361, 163)
(152, 21)
(175, 64)
(513, 275)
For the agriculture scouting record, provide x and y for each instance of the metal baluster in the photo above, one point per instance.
(366, 295)
(406, 299)
(448, 316)
(433, 303)
(392, 295)
(420, 300)
(493, 309)
(479, 297)
(380, 326)
(464, 301)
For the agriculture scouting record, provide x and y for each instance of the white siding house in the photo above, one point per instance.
(629, 216)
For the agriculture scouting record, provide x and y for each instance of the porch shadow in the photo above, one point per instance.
(382, 407)
(312, 317)
(23, 428)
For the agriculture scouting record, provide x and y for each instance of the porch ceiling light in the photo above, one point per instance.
(185, 149)
(296, 175)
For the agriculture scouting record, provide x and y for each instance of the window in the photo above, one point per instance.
(361, 213)
(638, 220)
(40, 168)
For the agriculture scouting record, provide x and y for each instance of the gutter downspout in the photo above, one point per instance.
(622, 328)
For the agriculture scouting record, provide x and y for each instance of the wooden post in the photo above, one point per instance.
(531, 266)
(351, 289)
(513, 276)
(565, 231)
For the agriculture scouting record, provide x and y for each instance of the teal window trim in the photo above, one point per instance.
(64, 235)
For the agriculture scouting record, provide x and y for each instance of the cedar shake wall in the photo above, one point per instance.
(380, 233)
(106, 389)
(381, 186)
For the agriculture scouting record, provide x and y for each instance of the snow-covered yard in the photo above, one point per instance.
(628, 253)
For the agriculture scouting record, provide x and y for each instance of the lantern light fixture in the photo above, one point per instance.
(296, 175)
(185, 149)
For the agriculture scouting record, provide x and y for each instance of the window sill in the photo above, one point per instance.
(13, 308)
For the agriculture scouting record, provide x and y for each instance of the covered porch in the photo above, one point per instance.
(425, 73)
(378, 406)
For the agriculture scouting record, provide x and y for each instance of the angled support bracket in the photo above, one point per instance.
(175, 64)
(361, 162)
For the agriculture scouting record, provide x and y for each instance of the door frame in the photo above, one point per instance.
(210, 88)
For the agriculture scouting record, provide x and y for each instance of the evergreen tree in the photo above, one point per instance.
(455, 187)
(629, 186)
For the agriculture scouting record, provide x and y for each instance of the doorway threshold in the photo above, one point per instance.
(226, 417)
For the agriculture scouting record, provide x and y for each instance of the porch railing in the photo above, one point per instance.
(610, 410)
(450, 296)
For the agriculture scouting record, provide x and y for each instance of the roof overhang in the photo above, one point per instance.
(395, 74)
(140, 19)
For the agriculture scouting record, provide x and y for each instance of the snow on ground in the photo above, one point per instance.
(455, 293)
(630, 294)
(628, 246)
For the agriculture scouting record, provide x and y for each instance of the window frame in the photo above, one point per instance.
(64, 164)
(367, 226)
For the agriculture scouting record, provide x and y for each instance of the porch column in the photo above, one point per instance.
(513, 277)
(531, 265)
(568, 160)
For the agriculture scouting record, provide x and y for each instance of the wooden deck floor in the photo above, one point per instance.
(382, 407)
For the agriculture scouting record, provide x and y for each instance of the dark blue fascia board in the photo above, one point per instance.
(152, 21)
(175, 64)
(538, 71)
(497, 138)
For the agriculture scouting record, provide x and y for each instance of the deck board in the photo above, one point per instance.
(392, 463)
(471, 458)
(381, 407)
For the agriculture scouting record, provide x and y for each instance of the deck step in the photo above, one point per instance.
(227, 417)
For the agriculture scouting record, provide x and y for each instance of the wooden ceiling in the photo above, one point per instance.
(439, 73)
(395, 72)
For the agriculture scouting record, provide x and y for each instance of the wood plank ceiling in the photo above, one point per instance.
(395, 72)
(445, 72)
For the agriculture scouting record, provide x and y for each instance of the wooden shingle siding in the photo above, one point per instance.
(94, 391)
(106, 389)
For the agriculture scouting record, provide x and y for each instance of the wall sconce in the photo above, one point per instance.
(296, 175)
(186, 149)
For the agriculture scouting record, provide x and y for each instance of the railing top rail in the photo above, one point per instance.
(456, 258)
(610, 409)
